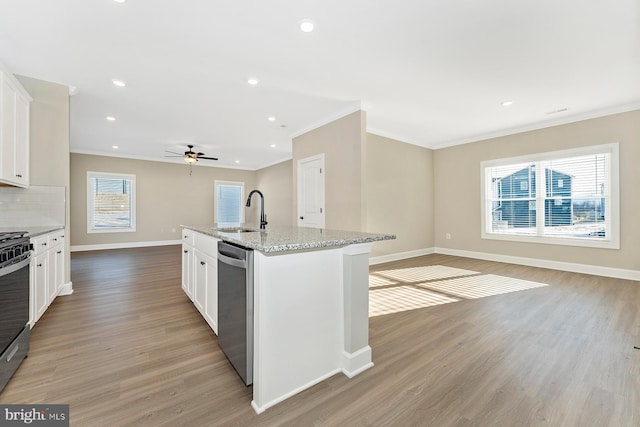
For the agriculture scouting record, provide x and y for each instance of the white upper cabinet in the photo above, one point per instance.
(14, 131)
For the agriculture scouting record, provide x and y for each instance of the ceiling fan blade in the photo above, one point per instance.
(208, 158)
(179, 155)
(173, 152)
(199, 154)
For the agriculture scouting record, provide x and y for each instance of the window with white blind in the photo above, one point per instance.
(229, 203)
(111, 202)
(567, 197)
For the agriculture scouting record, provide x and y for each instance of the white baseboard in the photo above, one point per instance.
(617, 273)
(261, 408)
(80, 248)
(400, 256)
(357, 362)
(67, 289)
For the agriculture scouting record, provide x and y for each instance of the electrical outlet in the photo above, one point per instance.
(173, 230)
(448, 236)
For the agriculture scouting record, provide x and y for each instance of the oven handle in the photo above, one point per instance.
(15, 267)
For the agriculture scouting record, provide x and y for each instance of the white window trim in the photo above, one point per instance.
(215, 195)
(612, 215)
(90, 206)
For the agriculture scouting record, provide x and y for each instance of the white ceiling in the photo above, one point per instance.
(431, 73)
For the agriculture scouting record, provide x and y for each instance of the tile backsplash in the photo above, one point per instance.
(33, 206)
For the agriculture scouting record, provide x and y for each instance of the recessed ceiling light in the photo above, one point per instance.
(271, 119)
(237, 161)
(111, 118)
(273, 146)
(119, 1)
(119, 83)
(307, 25)
(253, 81)
(115, 147)
(507, 103)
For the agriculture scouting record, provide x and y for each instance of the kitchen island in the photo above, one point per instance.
(310, 305)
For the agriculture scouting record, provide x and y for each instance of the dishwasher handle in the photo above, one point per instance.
(235, 262)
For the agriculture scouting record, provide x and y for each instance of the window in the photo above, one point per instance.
(111, 202)
(567, 197)
(229, 204)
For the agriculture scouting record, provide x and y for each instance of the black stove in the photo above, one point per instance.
(15, 256)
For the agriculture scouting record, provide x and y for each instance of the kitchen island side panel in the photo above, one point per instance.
(298, 323)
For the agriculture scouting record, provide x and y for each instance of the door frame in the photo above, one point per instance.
(300, 186)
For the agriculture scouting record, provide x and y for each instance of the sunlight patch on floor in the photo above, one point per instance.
(480, 286)
(403, 289)
(402, 298)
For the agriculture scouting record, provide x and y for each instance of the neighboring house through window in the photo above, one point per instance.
(565, 197)
(111, 202)
(229, 202)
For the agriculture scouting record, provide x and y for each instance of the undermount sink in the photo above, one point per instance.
(237, 230)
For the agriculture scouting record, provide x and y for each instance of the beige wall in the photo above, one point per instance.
(399, 194)
(49, 141)
(275, 183)
(457, 189)
(341, 142)
(166, 196)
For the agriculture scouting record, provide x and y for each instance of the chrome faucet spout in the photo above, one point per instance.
(263, 217)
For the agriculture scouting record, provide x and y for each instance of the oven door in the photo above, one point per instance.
(14, 300)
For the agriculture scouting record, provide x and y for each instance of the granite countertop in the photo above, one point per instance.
(276, 240)
(34, 231)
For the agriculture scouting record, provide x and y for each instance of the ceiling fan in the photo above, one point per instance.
(190, 156)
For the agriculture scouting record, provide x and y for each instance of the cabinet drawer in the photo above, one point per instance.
(187, 237)
(40, 244)
(56, 238)
(207, 245)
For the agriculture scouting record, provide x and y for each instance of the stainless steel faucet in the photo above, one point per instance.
(263, 217)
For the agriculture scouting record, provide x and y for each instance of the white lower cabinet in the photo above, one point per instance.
(46, 272)
(187, 270)
(200, 274)
(39, 277)
(206, 288)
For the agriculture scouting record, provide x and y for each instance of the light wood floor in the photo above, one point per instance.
(128, 348)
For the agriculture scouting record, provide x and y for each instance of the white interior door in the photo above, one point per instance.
(311, 192)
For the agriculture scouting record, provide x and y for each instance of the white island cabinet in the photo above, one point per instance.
(311, 304)
(200, 274)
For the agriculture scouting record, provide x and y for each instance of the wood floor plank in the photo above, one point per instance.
(129, 349)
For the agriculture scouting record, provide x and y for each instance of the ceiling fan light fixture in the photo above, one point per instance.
(190, 159)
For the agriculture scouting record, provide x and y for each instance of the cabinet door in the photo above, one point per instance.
(51, 275)
(8, 94)
(40, 273)
(187, 270)
(199, 280)
(21, 149)
(59, 268)
(211, 300)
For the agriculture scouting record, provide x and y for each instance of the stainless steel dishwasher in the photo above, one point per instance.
(235, 307)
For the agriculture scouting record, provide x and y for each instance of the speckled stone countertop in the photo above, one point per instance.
(276, 240)
(34, 231)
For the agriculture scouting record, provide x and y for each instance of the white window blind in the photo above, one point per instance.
(110, 202)
(229, 202)
(565, 197)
